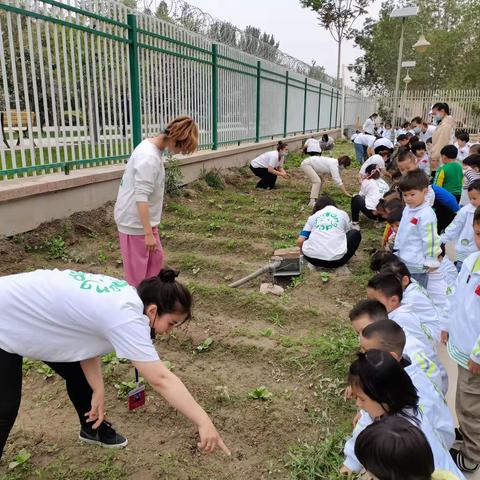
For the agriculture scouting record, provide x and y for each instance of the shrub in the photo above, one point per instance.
(173, 177)
(213, 178)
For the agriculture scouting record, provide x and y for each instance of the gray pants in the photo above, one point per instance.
(313, 176)
(467, 406)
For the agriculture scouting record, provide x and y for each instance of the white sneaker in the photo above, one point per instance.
(356, 226)
(312, 203)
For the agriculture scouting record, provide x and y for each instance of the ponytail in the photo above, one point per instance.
(166, 293)
(184, 132)
(281, 145)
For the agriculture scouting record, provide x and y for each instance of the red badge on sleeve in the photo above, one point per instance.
(477, 290)
(414, 220)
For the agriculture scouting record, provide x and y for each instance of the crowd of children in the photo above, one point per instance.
(417, 299)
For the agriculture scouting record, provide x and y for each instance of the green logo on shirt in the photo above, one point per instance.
(100, 283)
(327, 221)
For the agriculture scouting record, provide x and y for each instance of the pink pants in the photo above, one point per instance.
(138, 262)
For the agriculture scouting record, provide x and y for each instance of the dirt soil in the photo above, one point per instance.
(297, 345)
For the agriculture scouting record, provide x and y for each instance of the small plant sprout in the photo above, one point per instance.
(168, 364)
(205, 345)
(222, 393)
(268, 332)
(260, 393)
(20, 458)
(325, 276)
(46, 371)
(124, 387)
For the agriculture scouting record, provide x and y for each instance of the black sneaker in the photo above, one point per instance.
(104, 435)
(461, 461)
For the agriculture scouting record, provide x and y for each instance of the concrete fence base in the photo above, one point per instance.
(28, 202)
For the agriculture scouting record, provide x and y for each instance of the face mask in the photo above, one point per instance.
(284, 154)
(416, 129)
(438, 118)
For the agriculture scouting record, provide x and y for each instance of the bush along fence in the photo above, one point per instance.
(81, 83)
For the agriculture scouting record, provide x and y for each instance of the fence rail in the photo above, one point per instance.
(464, 106)
(82, 82)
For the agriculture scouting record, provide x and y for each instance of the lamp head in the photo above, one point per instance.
(422, 44)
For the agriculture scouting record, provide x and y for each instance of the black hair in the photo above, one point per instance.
(396, 175)
(414, 180)
(344, 160)
(388, 284)
(472, 160)
(395, 215)
(166, 293)
(381, 258)
(462, 135)
(475, 185)
(401, 137)
(391, 335)
(375, 310)
(397, 268)
(388, 122)
(416, 120)
(384, 380)
(394, 204)
(325, 137)
(429, 140)
(281, 145)
(395, 449)
(372, 171)
(449, 151)
(476, 216)
(413, 139)
(415, 146)
(409, 135)
(405, 154)
(406, 124)
(475, 149)
(375, 114)
(322, 202)
(442, 106)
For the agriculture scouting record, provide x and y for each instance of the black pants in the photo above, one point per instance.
(445, 216)
(267, 179)
(354, 238)
(78, 390)
(358, 205)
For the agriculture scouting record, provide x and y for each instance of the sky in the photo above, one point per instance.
(296, 28)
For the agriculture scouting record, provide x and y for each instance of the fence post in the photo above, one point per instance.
(336, 111)
(331, 108)
(257, 120)
(214, 96)
(134, 80)
(305, 105)
(319, 104)
(286, 105)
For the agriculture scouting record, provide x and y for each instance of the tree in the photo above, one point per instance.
(259, 44)
(338, 17)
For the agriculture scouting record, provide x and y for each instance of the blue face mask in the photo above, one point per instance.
(438, 118)
(417, 130)
(284, 154)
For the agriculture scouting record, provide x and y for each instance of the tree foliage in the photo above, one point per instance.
(452, 60)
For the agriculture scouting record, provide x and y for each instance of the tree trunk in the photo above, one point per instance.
(339, 60)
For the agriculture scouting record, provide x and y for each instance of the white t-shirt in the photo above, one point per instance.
(325, 165)
(313, 145)
(373, 191)
(373, 160)
(463, 152)
(142, 181)
(424, 136)
(382, 141)
(369, 126)
(68, 316)
(364, 139)
(267, 159)
(327, 240)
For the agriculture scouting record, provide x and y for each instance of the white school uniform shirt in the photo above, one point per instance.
(449, 271)
(373, 160)
(312, 145)
(388, 133)
(428, 134)
(464, 315)
(430, 196)
(267, 159)
(461, 231)
(417, 242)
(369, 126)
(373, 191)
(327, 240)
(326, 165)
(364, 139)
(69, 316)
(439, 291)
(441, 456)
(417, 298)
(463, 152)
(143, 181)
(384, 142)
(424, 164)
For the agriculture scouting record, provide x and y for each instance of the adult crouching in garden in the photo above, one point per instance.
(327, 239)
(69, 319)
(443, 134)
(269, 166)
(319, 166)
(138, 209)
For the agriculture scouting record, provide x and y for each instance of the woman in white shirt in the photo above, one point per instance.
(326, 143)
(70, 319)
(316, 167)
(269, 165)
(362, 142)
(312, 147)
(327, 240)
(371, 191)
(369, 125)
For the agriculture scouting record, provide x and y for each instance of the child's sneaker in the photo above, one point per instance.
(105, 435)
(463, 463)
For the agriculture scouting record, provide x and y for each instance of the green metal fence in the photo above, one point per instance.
(83, 82)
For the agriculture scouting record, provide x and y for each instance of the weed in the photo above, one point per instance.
(222, 393)
(205, 345)
(260, 393)
(268, 332)
(213, 178)
(56, 249)
(276, 320)
(20, 458)
(325, 276)
(168, 364)
(297, 281)
(101, 257)
(231, 244)
(124, 387)
(46, 371)
(213, 226)
(173, 177)
(27, 365)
